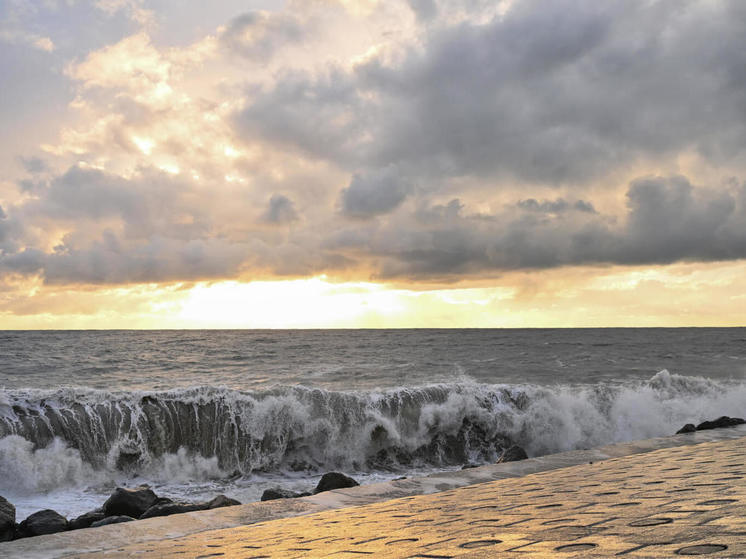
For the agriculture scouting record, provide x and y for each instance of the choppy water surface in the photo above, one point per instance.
(197, 412)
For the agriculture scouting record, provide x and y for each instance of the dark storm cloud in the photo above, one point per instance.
(667, 221)
(375, 193)
(122, 231)
(280, 210)
(554, 92)
(322, 115)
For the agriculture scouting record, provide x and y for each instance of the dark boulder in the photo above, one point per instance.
(85, 520)
(43, 522)
(512, 454)
(723, 421)
(688, 428)
(279, 493)
(221, 501)
(334, 480)
(162, 501)
(7, 520)
(129, 502)
(167, 509)
(112, 520)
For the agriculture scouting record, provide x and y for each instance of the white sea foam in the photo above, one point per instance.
(193, 441)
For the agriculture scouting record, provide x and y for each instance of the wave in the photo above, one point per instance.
(75, 435)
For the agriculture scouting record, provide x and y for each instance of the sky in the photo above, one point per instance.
(342, 163)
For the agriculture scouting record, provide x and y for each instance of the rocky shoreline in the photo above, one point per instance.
(138, 503)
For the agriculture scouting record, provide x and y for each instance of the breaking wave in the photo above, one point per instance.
(73, 436)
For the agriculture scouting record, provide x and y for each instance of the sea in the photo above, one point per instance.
(196, 413)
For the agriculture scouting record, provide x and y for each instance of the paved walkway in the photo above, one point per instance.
(687, 500)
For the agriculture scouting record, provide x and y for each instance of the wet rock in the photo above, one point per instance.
(7, 520)
(469, 466)
(512, 454)
(43, 522)
(688, 428)
(167, 509)
(112, 520)
(723, 421)
(279, 493)
(334, 480)
(162, 501)
(222, 501)
(86, 519)
(129, 502)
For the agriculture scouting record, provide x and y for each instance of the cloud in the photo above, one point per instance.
(45, 44)
(34, 165)
(425, 9)
(374, 193)
(424, 140)
(132, 8)
(320, 115)
(667, 220)
(280, 210)
(555, 206)
(257, 35)
(556, 93)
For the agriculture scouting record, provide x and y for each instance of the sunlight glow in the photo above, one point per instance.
(145, 145)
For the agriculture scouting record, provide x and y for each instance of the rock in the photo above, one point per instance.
(723, 421)
(86, 519)
(43, 522)
(334, 480)
(162, 501)
(129, 502)
(7, 520)
(279, 493)
(112, 520)
(222, 501)
(167, 509)
(469, 466)
(512, 454)
(688, 428)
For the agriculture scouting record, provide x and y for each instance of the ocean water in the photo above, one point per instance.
(195, 413)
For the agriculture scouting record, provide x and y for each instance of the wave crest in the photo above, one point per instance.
(209, 432)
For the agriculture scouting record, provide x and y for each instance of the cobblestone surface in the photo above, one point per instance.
(688, 500)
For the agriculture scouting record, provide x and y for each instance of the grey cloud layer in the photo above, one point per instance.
(555, 92)
(446, 147)
(668, 220)
(376, 193)
(140, 236)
